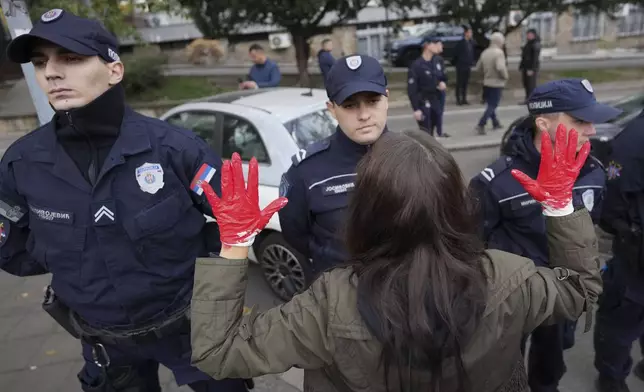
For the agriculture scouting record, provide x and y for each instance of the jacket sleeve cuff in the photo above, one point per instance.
(550, 211)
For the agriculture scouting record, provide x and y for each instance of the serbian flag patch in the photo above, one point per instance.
(205, 173)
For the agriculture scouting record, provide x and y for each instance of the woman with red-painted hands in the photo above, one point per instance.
(420, 305)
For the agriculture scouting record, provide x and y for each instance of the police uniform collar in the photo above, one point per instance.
(344, 142)
(99, 118)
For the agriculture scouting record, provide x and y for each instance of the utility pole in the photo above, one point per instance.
(19, 23)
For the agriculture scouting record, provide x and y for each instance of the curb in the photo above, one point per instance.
(469, 146)
(519, 93)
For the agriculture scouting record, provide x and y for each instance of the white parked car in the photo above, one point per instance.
(270, 125)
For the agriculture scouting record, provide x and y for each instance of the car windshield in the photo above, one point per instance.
(628, 105)
(312, 127)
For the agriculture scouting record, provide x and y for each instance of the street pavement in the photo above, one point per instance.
(634, 60)
(37, 355)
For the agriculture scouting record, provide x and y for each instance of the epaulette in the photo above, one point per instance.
(311, 150)
(494, 169)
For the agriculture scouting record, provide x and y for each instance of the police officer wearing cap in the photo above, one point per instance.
(620, 317)
(108, 201)
(320, 180)
(512, 220)
(426, 85)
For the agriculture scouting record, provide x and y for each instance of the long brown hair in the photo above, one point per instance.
(412, 238)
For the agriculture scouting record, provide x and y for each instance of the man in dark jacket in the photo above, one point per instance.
(529, 65)
(511, 217)
(325, 58)
(463, 61)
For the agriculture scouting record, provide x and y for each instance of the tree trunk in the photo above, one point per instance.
(478, 33)
(302, 54)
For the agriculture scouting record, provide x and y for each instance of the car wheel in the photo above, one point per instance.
(286, 271)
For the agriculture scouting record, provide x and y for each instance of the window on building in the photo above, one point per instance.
(631, 21)
(545, 25)
(587, 26)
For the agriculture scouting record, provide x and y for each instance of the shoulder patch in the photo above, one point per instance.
(497, 167)
(614, 170)
(5, 226)
(310, 151)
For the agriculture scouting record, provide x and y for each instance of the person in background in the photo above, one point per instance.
(463, 62)
(512, 220)
(442, 73)
(264, 73)
(529, 65)
(493, 65)
(505, 53)
(325, 58)
(425, 84)
(620, 317)
(420, 305)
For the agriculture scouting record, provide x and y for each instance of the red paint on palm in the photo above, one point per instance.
(237, 211)
(557, 172)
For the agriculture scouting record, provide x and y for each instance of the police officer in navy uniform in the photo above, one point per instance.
(320, 180)
(426, 83)
(108, 202)
(620, 317)
(512, 220)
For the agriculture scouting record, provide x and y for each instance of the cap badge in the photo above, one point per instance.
(354, 62)
(587, 85)
(51, 15)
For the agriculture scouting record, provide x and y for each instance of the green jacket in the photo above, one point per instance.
(322, 331)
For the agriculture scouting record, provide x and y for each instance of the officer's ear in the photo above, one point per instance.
(116, 69)
(542, 123)
(331, 107)
(387, 92)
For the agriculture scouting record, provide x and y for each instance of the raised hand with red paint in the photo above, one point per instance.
(237, 211)
(557, 172)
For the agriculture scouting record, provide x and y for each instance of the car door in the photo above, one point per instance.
(453, 35)
(240, 135)
(204, 123)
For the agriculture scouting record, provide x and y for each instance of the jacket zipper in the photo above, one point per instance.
(91, 171)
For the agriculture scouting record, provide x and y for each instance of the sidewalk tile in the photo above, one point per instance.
(18, 354)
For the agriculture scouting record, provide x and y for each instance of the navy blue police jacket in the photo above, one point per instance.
(121, 252)
(623, 212)
(512, 219)
(423, 78)
(318, 185)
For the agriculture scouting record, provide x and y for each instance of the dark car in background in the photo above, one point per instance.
(631, 105)
(404, 51)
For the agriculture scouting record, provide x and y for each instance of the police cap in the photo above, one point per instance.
(574, 97)
(82, 36)
(355, 74)
(431, 39)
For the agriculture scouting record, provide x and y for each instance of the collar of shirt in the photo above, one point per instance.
(99, 118)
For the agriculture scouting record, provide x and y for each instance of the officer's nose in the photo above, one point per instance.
(590, 130)
(363, 111)
(53, 69)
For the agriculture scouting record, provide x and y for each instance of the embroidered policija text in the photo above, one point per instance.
(540, 105)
